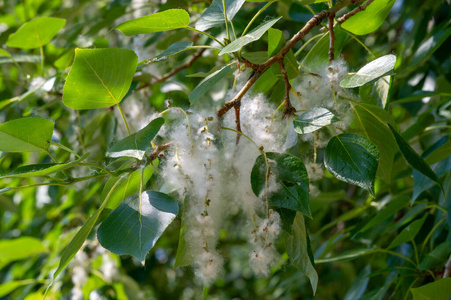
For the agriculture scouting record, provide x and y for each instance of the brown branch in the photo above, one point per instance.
(237, 121)
(289, 109)
(174, 71)
(332, 38)
(259, 69)
(155, 153)
(360, 8)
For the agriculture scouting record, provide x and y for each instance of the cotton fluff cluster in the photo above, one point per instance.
(317, 90)
(209, 170)
(263, 254)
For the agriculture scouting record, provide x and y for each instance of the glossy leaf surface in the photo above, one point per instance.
(214, 14)
(99, 78)
(36, 33)
(372, 71)
(370, 19)
(26, 135)
(135, 145)
(313, 119)
(166, 20)
(289, 182)
(137, 223)
(250, 37)
(353, 159)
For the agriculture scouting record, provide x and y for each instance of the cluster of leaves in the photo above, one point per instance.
(374, 230)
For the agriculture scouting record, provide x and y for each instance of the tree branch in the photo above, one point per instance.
(289, 109)
(259, 69)
(332, 38)
(238, 121)
(360, 8)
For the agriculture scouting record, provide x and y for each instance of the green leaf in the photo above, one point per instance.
(172, 50)
(36, 33)
(99, 78)
(162, 21)
(422, 183)
(360, 284)
(136, 224)
(439, 154)
(207, 83)
(370, 121)
(391, 209)
(377, 93)
(4, 53)
(429, 46)
(20, 248)
(6, 288)
(353, 159)
(183, 257)
(41, 169)
(276, 42)
(408, 233)
(313, 119)
(135, 145)
(437, 290)
(26, 135)
(414, 159)
(78, 240)
(296, 246)
(370, 19)
(288, 180)
(250, 37)
(287, 217)
(372, 71)
(318, 56)
(437, 257)
(214, 14)
(127, 187)
(348, 255)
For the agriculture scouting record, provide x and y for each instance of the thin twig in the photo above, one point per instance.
(160, 148)
(332, 38)
(360, 8)
(238, 121)
(174, 71)
(289, 109)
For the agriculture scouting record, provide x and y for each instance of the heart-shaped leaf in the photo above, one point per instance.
(289, 186)
(353, 159)
(166, 20)
(36, 33)
(99, 78)
(26, 135)
(371, 72)
(136, 225)
(135, 145)
(314, 119)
